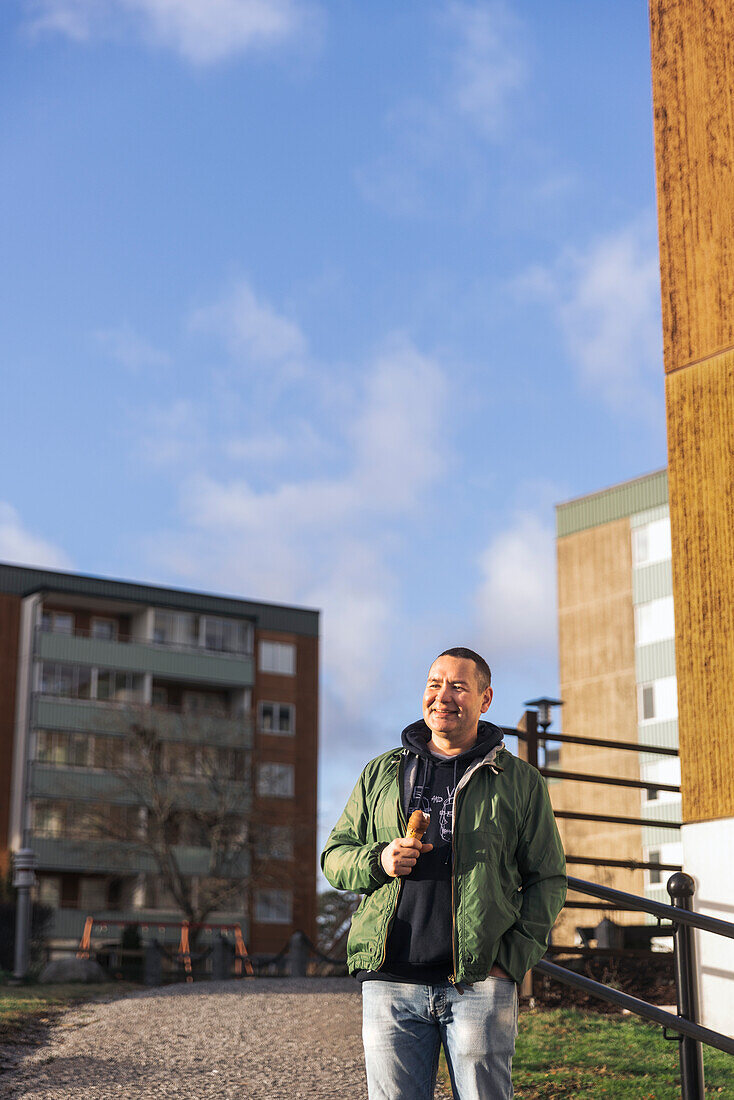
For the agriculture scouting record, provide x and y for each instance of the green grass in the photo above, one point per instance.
(26, 1007)
(572, 1054)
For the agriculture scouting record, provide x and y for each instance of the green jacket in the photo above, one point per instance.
(509, 871)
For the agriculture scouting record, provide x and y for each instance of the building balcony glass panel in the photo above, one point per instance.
(172, 662)
(117, 857)
(51, 712)
(86, 785)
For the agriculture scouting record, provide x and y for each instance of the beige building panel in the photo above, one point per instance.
(692, 66)
(700, 405)
(594, 638)
(593, 564)
(597, 663)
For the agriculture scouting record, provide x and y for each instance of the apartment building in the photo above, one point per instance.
(617, 674)
(228, 690)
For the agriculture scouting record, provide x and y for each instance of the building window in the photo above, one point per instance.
(92, 893)
(275, 780)
(120, 687)
(274, 842)
(172, 628)
(212, 632)
(278, 718)
(59, 622)
(48, 819)
(656, 877)
(104, 629)
(49, 891)
(227, 635)
(658, 700)
(79, 750)
(651, 542)
(72, 681)
(273, 906)
(278, 657)
(204, 702)
(663, 770)
(654, 621)
(159, 696)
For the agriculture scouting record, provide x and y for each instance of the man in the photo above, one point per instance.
(448, 925)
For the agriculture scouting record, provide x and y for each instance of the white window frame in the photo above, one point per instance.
(275, 731)
(273, 906)
(663, 690)
(651, 542)
(104, 619)
(275, 780)
(654, 621)
(53, 615)
(277, 658)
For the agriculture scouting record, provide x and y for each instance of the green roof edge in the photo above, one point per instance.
(616, 502)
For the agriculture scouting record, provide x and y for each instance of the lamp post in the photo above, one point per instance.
(24, 877)
(545, 707)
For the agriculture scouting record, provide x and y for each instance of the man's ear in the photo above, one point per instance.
(487, 699)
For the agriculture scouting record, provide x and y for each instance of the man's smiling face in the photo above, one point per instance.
(453, 700)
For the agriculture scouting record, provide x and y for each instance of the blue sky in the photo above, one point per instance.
(329, 304)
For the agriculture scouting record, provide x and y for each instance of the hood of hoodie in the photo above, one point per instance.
(417, 735)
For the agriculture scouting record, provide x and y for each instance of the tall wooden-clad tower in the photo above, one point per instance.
(693, 94)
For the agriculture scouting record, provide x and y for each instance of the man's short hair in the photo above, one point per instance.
(484, 675)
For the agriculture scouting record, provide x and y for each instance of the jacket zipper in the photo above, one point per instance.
(404, 825)
(452, 977)
(462, 783)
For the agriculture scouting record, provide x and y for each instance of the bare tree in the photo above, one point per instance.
(172, 789)
(336, 908)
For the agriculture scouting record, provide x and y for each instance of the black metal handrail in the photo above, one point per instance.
(680, 887)
(655, 908)
(637, 1006)
(610, 781)
(599, 742)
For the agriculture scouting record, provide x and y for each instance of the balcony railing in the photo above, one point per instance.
(127, 639)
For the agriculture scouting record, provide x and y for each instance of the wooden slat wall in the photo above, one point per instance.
(693, 94)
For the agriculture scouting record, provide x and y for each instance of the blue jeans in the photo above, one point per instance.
(404, 1025)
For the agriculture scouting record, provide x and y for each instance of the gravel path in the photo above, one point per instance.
(267, 1039)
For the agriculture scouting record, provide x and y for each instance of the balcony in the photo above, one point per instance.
(68, 924)
(194, 664)
(58, 713)
(116, 857)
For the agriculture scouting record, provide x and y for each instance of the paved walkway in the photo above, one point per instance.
(265, 1039)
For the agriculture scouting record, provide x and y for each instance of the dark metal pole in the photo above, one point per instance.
(681, 888)
(530, 722)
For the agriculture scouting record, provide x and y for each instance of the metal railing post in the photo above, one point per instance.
(681, 888)
(527, 746)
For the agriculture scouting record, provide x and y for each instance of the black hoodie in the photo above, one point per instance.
(419, 944)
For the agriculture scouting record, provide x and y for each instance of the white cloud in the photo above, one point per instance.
(606, 302)
(434, 134)
(130, 350)
(251, 329)
(171, 436)
(201, 31)
(487, 63)
(516, 600)
(326, 540)
(19, 546)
